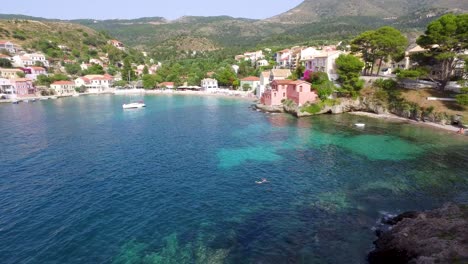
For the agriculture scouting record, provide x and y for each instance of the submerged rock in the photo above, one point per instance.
(437, 236)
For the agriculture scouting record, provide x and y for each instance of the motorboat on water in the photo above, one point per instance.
(139, 104)
(360, 124)
(15, 102)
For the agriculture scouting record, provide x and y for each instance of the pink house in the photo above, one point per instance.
(298, 91)
(23, 87)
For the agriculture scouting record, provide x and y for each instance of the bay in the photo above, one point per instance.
(83, 181)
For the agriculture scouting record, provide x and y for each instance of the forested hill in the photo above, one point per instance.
(311, 21)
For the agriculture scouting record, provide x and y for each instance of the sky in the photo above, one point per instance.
(170, 9)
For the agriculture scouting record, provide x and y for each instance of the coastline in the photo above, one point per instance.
(235, 95)
(392, 117)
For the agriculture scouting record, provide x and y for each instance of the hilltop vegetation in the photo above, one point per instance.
(46, 36)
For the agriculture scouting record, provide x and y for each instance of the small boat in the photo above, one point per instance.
(26, 101)
(53, 97)
(15, 102)
(360, 124)
(76, 95)
(133, 105)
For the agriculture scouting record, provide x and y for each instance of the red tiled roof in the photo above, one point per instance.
(283, 82)
(167, 83)
(37, 68)
(63, 83)
(251, 79)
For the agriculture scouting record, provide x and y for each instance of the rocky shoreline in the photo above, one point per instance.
(368, 108)
(437, 236)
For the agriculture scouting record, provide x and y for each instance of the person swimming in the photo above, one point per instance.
(264, 180)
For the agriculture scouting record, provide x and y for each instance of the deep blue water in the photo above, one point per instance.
(83, 181)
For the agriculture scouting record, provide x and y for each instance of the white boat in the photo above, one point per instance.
(53, 97)
(360, 125)
(75, 95)
(133, 105)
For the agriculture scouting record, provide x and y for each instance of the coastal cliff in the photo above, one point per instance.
(437, 236)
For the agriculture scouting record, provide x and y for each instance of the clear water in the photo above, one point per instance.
(83, 181)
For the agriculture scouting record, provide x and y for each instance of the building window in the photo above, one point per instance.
(284, 94)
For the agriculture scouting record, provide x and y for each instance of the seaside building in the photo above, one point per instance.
(168, 85)
(95, 83)
(323, 61)
(264, 83)
(283, 58)
(63, 87)
(6, 89)
(23, 87)
(279, 74)
(9, 73)
(34, 71)
(209, 84)
(251, 82)
(300, 92)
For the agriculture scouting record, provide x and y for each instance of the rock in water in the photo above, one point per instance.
(437, 236)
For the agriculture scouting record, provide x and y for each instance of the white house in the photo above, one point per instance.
(323, 61)
(63, 87)
(8, 46)
(6, 88)
(283, 58)
(96, 61)
(252, 82)
(264, 83)
(262, 62)
(95, 83)
(209, 84)
(31, 59)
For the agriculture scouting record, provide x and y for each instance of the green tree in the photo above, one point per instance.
(446, 38)
(225, 76)
(246, 87)
(383, 43)
(127, 71)
(5, 63)
(322, 84)
(349, 69)
(20, 74)
(149, 81)
(72, 69)
(94, 69)
(145, 70)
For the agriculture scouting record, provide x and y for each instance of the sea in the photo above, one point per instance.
(192, 179)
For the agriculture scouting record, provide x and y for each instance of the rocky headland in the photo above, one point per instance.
(437, 236)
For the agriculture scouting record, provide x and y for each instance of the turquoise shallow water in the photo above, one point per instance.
(82, 181)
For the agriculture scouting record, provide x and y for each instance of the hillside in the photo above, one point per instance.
(316, 10)
(46, 36)
(310, 22)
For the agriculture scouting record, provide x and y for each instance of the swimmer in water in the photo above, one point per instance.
(264, 180)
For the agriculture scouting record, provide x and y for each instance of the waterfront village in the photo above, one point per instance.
(292, 76)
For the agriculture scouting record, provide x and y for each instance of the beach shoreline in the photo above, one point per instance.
(392, 117)
(199, 93)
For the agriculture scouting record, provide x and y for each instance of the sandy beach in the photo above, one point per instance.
(234, 95)
(391, 117)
